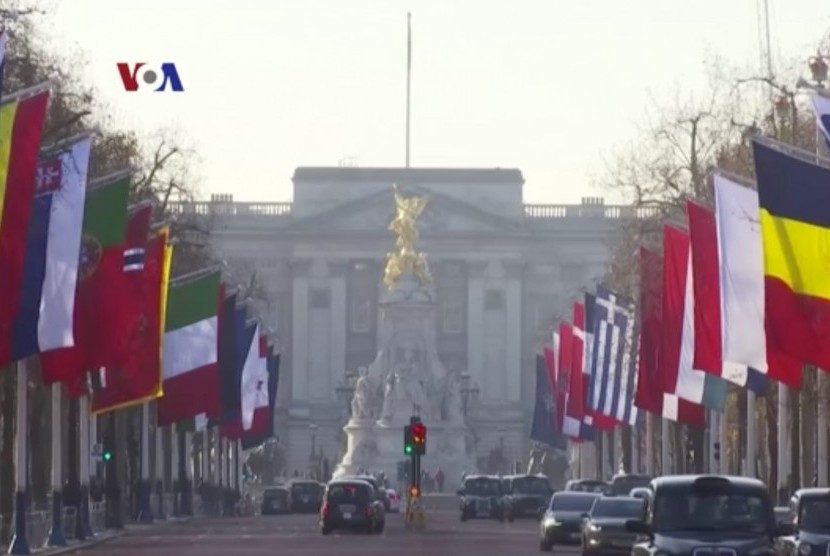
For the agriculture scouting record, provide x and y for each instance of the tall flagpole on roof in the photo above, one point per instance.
(408, 81)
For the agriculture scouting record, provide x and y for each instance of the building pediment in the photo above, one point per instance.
(374, 212)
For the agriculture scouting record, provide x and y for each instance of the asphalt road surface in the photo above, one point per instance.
(300, 534)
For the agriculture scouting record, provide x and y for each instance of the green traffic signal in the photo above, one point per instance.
(107, 456)
(407, 450)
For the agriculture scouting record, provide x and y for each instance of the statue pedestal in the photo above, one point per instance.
(407, 373)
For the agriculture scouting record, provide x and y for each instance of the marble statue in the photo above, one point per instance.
(406, 259)
(406, 377)
(361, 402)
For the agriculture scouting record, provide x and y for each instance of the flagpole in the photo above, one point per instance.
(408, 79)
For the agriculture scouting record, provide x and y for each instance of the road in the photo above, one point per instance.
(299, 534)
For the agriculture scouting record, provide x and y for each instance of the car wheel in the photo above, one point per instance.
(545, 546)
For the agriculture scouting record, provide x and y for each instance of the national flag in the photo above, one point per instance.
(139, 218)
(232, 352)
(675, 268)
(139, 378)
(649, 394)
(252, 439)
(254, 380)
(693, 384)
(550, 366)
(47, 301)
(614, 374)
(542, 430)
(247, 353)
(558, 385)
(191, 342)
(21, 124)
(101, 306)
(570, 425)
(578, 385)
(600, 421)
(821, 107)
(745, 326)
(795, 231)
(703, 234)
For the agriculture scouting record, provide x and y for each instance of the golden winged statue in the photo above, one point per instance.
(406, 257)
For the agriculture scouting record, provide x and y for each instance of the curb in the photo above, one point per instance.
(103, 537)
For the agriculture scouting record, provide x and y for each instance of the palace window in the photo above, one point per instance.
(452, 313)
(494, 300)
(360, 317)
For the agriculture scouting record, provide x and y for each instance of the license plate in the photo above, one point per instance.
(347, 515)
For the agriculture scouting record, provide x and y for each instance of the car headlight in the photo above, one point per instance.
(594, 528)
(804, 549)
(551, 522)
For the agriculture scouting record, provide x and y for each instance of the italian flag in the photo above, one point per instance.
(191, 338)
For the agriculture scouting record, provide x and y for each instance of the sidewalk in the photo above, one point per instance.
(108, 535)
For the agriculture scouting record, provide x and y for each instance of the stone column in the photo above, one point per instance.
(475, 320)
(299, 330)
(339, 325)
(513, 327)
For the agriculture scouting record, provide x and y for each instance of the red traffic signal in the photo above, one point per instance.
(419, 433)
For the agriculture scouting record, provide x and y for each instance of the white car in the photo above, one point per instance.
(394, 500)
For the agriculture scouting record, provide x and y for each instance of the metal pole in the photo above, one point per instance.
(158, 476)
(665, 442)
(650, 444)
(205, 459)
(408, 80)
(20, 544)
(82, 521)
(723, 434)
(751, 452)
(174, 467)
(56, 536)
(783, 443)
(635, 449)
(145, 511)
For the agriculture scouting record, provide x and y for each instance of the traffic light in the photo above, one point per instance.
(419, 438)
(408, 448)
(106, 456)
(107, 448)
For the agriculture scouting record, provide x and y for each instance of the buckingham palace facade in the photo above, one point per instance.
(504, 273)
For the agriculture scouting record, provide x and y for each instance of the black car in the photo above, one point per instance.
(623, 483)
(525, 496)
(708, 515)
(380, 492)
(604, 530)
(276, 501)
(810, 518)
(481, 497)
(351, 504)
(587, 485)
(562, 521)
(306, 496)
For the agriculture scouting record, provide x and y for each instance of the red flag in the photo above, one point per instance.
(675, 266)
(19, 148)
(706, 283)
(649, 394)
(138, 379)
(564, 368)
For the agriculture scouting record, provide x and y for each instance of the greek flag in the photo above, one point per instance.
(614, 371)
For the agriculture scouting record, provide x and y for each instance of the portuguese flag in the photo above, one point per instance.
(100, 316)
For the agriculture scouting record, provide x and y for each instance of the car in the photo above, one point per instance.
(708, 515)
(640, 492)
(276, 500)
(481, 497)
(306, 496)
(562, 521)
(351, 504)
(380, 492)
(587, 485)
(809, 516)
(525, 495)
(394, 500)
(622, 483)
(603, 529)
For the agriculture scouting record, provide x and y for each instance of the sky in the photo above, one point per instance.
(552, 87)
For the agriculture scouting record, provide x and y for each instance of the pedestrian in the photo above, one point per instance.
(439, 479)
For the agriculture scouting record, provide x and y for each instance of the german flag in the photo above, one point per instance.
(794, 198)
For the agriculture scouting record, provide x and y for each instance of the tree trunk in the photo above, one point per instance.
(625, 449)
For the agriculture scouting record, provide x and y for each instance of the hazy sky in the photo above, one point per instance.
(548, 86)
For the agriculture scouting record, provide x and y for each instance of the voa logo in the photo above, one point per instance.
(144, 76)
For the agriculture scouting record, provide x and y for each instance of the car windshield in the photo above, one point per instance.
(346, 493)
(589, 486)
(305, 488)
(814, 513)
(629, 508)
(714, 507)
(482, 487)
(571, 503)
(531, 485)
(623, 485)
